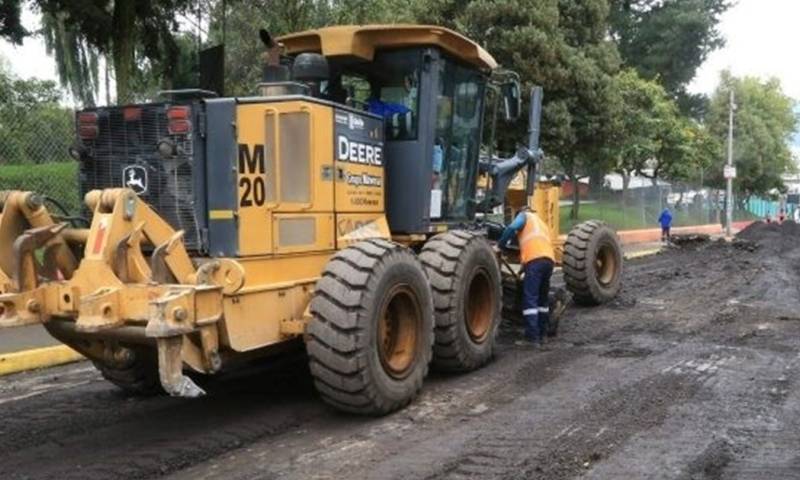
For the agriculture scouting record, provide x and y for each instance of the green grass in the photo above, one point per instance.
(58, 180)
(628, 218)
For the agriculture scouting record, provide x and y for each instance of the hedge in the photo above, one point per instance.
(58, 180)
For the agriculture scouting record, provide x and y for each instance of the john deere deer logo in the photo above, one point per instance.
(135, 178)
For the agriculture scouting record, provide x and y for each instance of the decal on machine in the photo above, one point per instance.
(349, 230)
(358, 161)
(363, 179)
(135, 178)
(355, 122)
(252, 176)
(359, 152)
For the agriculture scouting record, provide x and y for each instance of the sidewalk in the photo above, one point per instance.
(23, 338)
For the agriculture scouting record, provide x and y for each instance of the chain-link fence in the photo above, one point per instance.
(34, 152)
(637, 203)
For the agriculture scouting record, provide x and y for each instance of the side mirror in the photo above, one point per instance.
(512, 100)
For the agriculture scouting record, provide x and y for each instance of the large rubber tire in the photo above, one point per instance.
(592, 263)
(465, 284)
(138, 376)
(512, 299)
(370, 341)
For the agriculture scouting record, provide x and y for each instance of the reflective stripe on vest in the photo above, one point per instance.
(534, 240)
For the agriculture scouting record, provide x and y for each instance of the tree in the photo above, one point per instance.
(764, 123)
(11, 21)
(690, 151)
(126, 31)
(150, 77)
(644, 111)
(668, 39)
(237, 30)
(243, 48)
(652, 139)
(29, 113)
(562, 46)
(76, 60)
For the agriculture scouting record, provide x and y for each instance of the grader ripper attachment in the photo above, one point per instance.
(339, 207)
(115, 288)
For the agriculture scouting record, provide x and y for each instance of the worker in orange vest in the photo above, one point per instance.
(538, 259)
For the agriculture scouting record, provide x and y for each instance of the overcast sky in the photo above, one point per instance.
(30, 59)
(760, 36)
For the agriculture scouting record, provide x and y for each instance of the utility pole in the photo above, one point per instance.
(729, 174)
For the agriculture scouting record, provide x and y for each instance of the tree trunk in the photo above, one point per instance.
(122, 48)
(107, 80)
(576, 198)
(626, 182)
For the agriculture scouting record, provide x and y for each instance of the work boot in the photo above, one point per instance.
(528, 343)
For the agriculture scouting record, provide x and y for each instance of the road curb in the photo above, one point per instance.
(642, 253)
(37, 358)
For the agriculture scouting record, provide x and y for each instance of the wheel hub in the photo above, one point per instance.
(398, 330)
(479, 308)
(605, 264)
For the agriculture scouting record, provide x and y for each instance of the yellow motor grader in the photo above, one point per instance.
(336, 208)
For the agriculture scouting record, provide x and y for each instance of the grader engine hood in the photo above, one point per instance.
(310, 177)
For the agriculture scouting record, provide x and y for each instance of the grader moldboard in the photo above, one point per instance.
(338, 207)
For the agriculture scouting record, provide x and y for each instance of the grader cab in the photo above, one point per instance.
(337, 208)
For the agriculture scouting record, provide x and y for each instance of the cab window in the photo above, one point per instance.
(393, 90)
(457, 141)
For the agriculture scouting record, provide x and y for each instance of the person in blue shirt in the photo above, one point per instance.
(385, 109)
(665, 219)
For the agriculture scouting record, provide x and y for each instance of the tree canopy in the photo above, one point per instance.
(667, 39)
(11, 21)
(764, 122)
(29, 112)
(560, 45)
(126, 31)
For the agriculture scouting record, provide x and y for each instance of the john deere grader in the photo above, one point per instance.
(338, 207)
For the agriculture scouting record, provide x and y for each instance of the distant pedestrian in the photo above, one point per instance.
(665, 219)
(781, 215)
(538, 259)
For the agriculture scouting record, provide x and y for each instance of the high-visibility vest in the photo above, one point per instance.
(534, 239)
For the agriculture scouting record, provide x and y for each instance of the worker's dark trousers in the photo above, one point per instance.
(535, 301)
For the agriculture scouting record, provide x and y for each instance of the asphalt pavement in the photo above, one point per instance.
(692, 373)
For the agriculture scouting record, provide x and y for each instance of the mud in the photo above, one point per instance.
(692, 373)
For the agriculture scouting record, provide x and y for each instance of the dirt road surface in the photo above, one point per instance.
(691, 374)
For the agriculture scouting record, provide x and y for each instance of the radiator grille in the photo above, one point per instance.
(131, 145)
